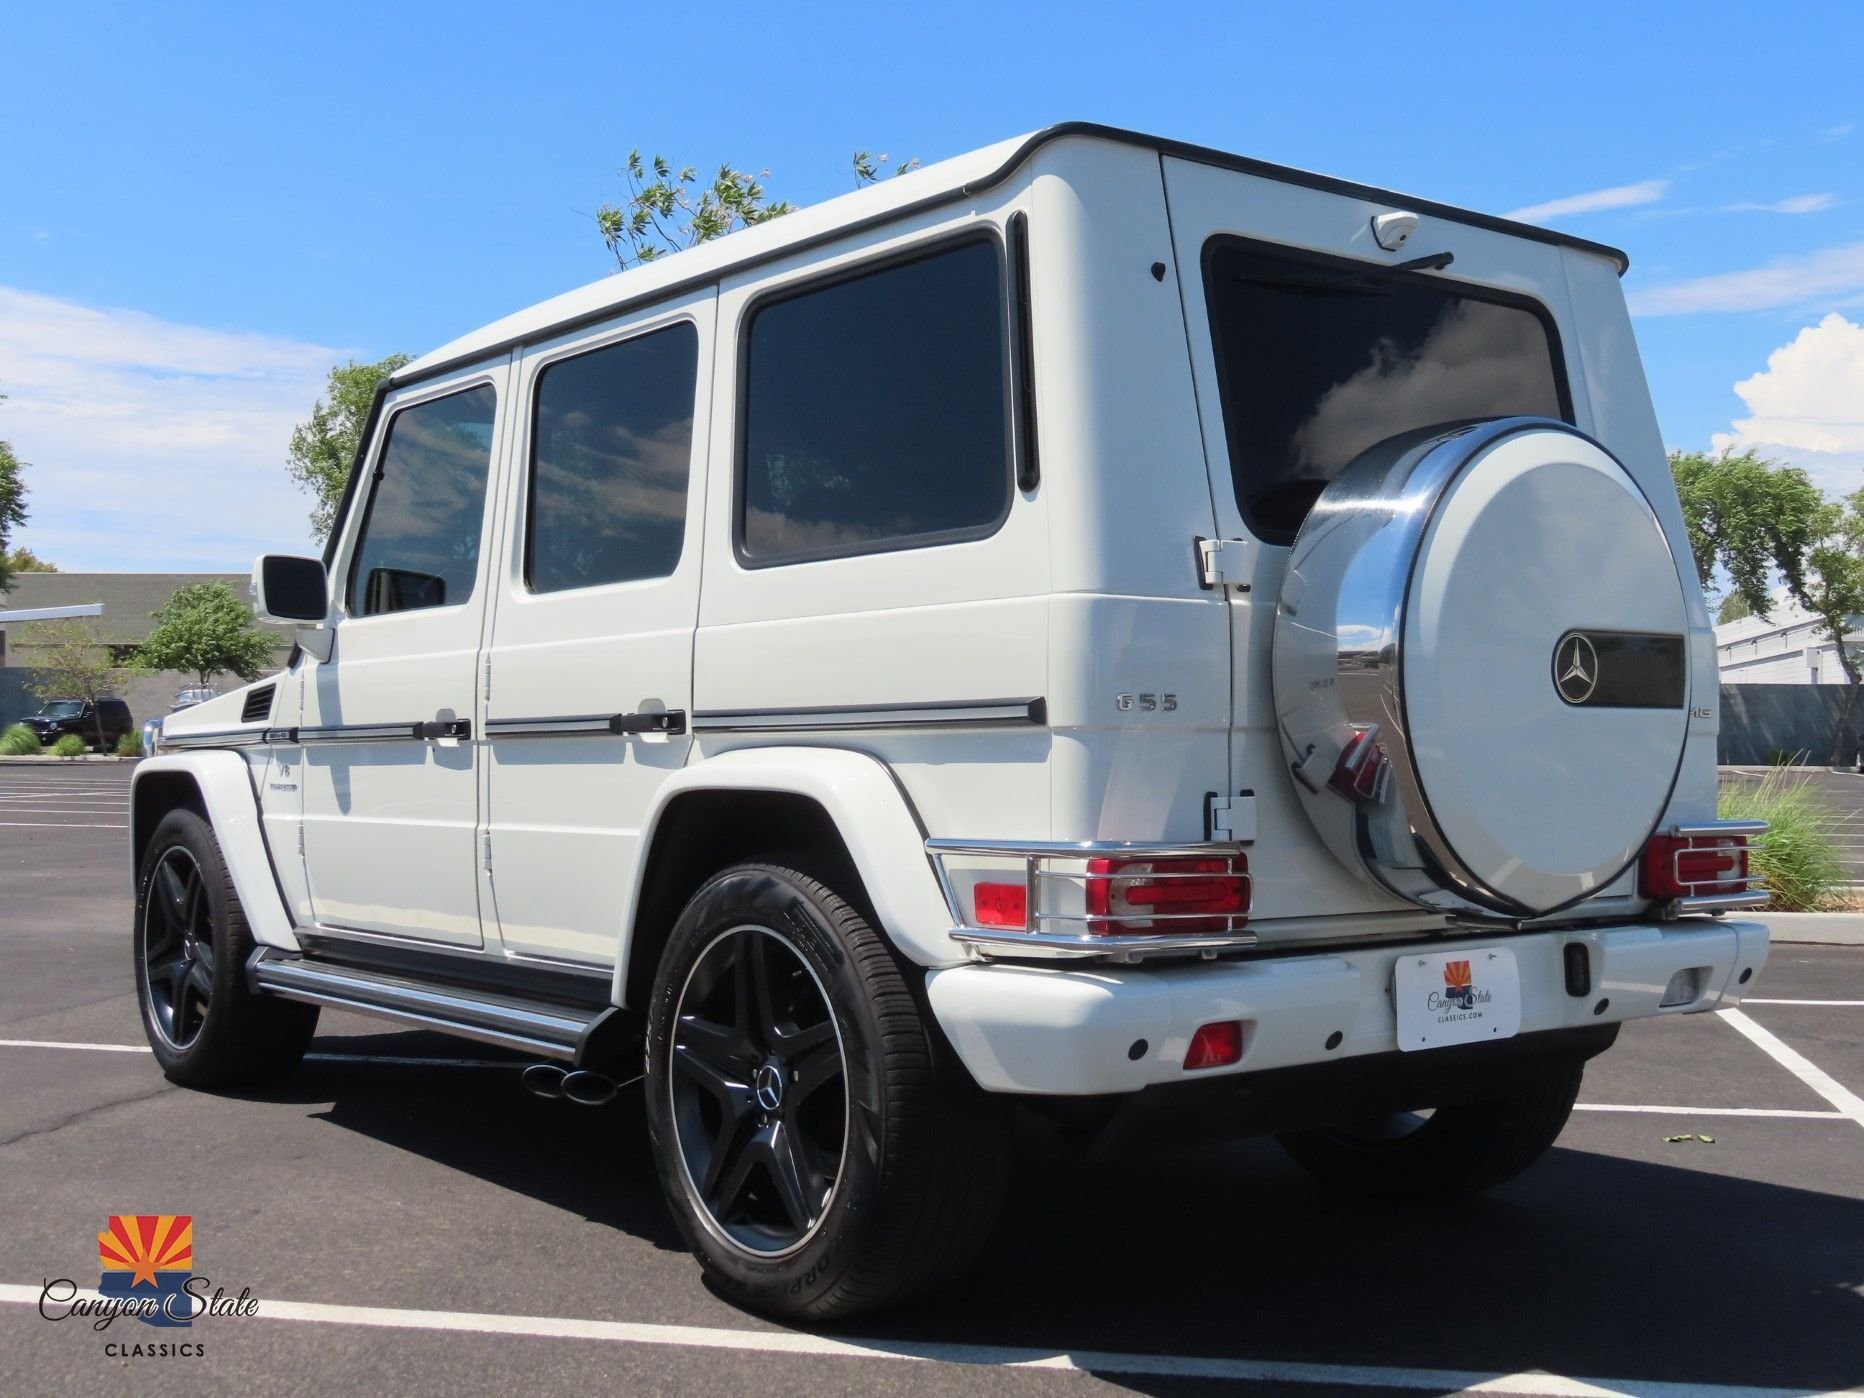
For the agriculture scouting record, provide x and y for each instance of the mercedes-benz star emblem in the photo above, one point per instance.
(1575, 668)
(767, 1085)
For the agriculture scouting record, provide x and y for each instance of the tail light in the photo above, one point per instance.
(1168, 895)
(1363, 770)
(1694, 866)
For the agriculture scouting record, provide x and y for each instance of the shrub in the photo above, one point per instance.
(19, 741)
(130, 744)
(1798, 856)
(69, 745)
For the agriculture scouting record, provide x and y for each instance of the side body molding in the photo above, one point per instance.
(870, 811)
(224, 781)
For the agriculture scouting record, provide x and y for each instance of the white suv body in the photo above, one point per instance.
(957, 533)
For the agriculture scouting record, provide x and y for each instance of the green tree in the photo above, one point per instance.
(1757, 519)
(12, 506)
(323, 447)
(665, 210)
(205, 630)
(72, 663)
(1734, 607)
(20, 559)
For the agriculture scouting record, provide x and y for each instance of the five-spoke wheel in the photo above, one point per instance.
(759, 1090)
(178, 947)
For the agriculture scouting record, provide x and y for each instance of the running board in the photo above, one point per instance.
(510, 1021)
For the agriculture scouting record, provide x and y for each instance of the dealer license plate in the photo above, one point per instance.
(1456, 997)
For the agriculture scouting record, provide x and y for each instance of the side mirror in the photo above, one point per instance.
(288, 591)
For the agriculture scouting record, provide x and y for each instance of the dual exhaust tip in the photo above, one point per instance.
(554, 1082)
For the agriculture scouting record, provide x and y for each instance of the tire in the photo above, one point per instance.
(190, 947)
(1456, 1150)
(918, 1152)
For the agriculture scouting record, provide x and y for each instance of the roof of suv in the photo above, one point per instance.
(959, 177)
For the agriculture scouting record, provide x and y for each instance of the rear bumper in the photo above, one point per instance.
(1060, 1031)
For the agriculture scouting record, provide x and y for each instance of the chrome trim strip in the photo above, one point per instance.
(1718, 827)
(1084, 849)
(671, 722)
(941, 713)
(1717, 902)
(1118, 947)
(218, 738)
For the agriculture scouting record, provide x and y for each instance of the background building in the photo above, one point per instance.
(128, 600)
(1789, 648)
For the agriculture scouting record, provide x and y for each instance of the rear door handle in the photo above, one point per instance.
(672, 722)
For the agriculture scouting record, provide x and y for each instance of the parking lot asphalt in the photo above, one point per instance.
(412, 1222)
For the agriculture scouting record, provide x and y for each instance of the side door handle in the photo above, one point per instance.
(672, 722)
(444, 728)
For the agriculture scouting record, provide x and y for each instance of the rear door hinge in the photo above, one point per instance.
(488, 852)
(1231, 819)
(300, 838)
(488, 679)
(1223, 563)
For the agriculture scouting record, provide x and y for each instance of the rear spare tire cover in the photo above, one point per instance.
(1480, 667)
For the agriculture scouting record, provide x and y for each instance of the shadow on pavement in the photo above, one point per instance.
(1590, 1265)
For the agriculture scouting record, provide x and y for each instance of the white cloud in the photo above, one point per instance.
(1807, 405)
(1798, 204)
(1832, 133)
(1623, 196)
(153, 445)
(1824, 275)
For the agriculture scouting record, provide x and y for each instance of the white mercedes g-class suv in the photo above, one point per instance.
(1097, 623)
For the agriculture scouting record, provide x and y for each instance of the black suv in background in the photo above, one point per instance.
(61, 716)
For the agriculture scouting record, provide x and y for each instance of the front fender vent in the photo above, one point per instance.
(258, 705)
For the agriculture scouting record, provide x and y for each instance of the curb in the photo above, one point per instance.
(43, 761)
(1819, 929)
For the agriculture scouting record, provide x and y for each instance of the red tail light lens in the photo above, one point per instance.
(1694, 866)
(1002, 905)
(1168, 895)
(1215, 1045)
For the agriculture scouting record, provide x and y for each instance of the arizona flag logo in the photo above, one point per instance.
(150, 1256)
(1458, 984)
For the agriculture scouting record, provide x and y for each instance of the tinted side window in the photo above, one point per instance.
(877, 411)
(610, 453)
(420, 538)
(1320, 360)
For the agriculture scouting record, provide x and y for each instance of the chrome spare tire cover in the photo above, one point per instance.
(1480, 667)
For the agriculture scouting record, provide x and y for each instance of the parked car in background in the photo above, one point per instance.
(186, 699)
(60, 716)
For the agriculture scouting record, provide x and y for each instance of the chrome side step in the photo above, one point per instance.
(531, 1026)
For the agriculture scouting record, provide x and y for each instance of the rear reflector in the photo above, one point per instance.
(1693, 866)
(1168, 895)
(1215, 1045)
(1002, 905)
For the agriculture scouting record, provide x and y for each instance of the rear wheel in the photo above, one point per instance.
(191, 945)
(821, 1151)
(1451, 1150)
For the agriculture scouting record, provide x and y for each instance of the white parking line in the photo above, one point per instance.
(403, 1060)
(60, 810)
(787, 1342)
(1840, 1004)
(1706, 1111)
(61, 825)
(1849, 1104)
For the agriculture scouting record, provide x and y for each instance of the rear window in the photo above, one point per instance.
(1319, 359)
(876, 411)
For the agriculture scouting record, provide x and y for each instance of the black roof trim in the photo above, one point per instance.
(1203, 155)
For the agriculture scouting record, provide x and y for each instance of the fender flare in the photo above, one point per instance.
(870, 811)
(225, 784)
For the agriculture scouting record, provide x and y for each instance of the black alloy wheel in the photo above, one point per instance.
(178, 948)
(758, 1086)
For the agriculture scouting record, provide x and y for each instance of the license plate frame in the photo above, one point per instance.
(1442, 998)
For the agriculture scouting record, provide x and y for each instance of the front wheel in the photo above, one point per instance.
(208, 1028)
(1452, 1150)
(822, 1152)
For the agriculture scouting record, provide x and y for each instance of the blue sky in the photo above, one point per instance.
(202, 207)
